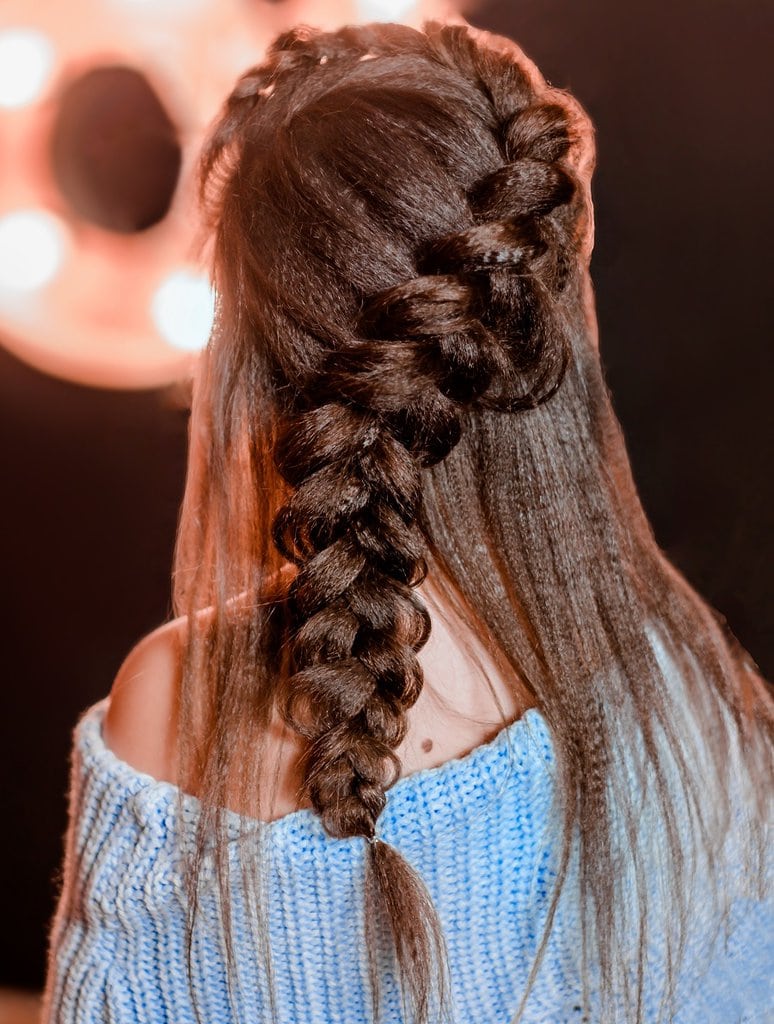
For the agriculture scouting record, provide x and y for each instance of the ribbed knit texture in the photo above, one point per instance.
(477, 828)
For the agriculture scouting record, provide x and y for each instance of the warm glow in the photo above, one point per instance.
(26, 62)
(32, 249)
(183, 310)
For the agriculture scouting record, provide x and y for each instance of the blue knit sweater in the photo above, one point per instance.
(478, 828)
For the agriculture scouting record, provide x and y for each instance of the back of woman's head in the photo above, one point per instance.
(402, 385)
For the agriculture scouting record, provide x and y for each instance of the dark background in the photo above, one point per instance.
(681, 98)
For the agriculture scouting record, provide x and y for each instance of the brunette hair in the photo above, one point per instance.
(403, 385)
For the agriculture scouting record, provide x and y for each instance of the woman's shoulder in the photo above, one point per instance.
(140, 718)
(140, 723)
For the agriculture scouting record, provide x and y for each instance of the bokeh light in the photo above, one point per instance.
(26, 63)
(383, 10)
(33, 244)
(183, 310)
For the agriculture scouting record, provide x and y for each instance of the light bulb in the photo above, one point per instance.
(26, 61)
(183, 310)
(32, 249)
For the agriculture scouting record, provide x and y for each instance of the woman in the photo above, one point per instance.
(438, 733)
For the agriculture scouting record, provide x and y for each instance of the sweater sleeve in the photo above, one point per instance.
(78, 940)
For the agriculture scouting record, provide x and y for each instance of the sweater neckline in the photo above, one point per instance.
(458, 789)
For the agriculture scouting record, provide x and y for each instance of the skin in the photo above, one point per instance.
(456, 710)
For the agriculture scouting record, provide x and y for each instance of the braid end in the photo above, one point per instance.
(395, 891)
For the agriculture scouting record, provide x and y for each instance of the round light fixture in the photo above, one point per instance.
(103, 108)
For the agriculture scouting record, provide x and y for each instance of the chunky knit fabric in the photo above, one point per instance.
(478, 828)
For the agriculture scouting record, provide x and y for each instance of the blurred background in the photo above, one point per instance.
(104, 304)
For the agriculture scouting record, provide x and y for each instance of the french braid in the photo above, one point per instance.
(473, 329)
(391, 403)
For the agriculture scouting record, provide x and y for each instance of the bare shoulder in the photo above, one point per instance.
(139, 724)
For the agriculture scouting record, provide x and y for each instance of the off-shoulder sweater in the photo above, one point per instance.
(478, 828)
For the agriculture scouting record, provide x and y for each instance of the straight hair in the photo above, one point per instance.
(403, 386)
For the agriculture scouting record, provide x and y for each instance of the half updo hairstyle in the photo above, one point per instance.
(402, 385)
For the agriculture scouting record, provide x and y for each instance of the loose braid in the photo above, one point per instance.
(475, 328)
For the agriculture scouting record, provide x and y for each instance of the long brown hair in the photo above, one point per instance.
(403, 385)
